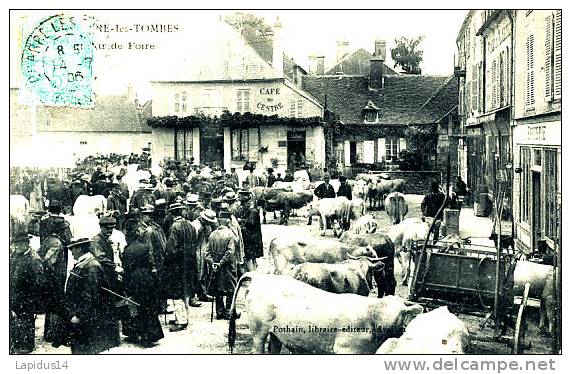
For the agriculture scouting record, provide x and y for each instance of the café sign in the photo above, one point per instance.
(270, 100)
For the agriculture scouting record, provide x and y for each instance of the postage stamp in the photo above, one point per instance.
(57, 61)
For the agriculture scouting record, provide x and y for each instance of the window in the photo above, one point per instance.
(240, 144)
(392, 148)
(177, 102)
(525, 161)
(370, 116)
(551, 189)
(82, 142)
(300, 108)
(292, 108)
(183, 144)
(530, 83)
(242, 101)
(557, 55)
(180, 103)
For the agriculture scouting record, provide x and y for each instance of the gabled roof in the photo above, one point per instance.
(404, 99)
(109, 114)
(357, 63)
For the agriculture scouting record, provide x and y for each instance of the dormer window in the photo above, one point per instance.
(371, 113)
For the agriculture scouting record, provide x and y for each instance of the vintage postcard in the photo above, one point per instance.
(287, 181)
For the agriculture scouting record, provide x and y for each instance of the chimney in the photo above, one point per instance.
(277, 50)
(132, 95)
(320, 65)
(381, 49)
(312, 65)
(342, 49)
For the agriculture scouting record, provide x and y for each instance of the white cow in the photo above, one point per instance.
(358, 208)
(435, 332)
(335, 209)
(19, 206)
(89, 205)
(364, 225)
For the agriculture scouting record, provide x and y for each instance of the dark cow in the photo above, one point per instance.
(285, 201)
(385, 249)
(350, 276)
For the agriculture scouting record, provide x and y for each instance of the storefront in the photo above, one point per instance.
(537, 184)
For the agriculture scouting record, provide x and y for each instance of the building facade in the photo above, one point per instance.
(238, 80)
(537, 128)
(380, 116)
(509, 72)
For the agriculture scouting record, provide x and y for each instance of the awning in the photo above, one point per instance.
(485, 118)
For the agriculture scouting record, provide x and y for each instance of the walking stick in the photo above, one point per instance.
(123, 298)
(211, 301)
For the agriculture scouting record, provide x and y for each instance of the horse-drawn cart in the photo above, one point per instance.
(472, 280)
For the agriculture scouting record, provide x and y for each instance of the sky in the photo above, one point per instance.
(304, 32)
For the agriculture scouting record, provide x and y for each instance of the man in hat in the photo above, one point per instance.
(324, 190)
(143, 196)
(117, 202)
(102, 250)
(271, 177)
(344, 188)
(181, 262)
(206, 199)
(431, 205)
(193, 209)
(233, 203)
(251, 230)
(234, 177)
(203, 227)
(221, 256)
(288, 176)
(279, 178)
(168, 193)
(54, 255)
(26, 284)
(54, 213)
(91, 309)
(252, 178)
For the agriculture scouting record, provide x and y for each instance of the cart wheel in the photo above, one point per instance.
(519, 330)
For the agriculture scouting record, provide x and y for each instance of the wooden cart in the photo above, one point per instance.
(465, 280)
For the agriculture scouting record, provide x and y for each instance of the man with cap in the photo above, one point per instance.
(26, 284)
(221, 256)
(251, 229)
(97, 174)
(181, 262)
(54, 213)
(116, 202)
(168, 193)
(102, 250)
(91, 309)
(344, 188)
(141, 283)
(143, 196)
(324, 190)
(431, 205)
(203, 227)
(54, 255)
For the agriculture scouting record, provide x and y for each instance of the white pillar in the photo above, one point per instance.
(196, 145)
(347, 152)
(227, 148)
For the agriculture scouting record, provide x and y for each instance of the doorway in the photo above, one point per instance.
(296, 149)
(536, 231)
(212, 147)
(352, 152)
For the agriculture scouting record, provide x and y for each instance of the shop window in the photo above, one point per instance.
(183, 144)
(240, 144)
(551, 190)
(525, 187)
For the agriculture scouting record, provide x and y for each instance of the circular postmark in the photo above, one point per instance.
(57, 61)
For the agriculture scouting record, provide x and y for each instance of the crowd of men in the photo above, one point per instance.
(184, 235)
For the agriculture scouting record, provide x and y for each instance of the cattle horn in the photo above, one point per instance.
(377, 259)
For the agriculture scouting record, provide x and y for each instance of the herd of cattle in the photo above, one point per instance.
(315, 297)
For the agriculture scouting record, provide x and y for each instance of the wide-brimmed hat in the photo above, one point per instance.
(78, 242)
(224, 214)
(175, 206)
(160, 202)
(208, 215)
(191, 199)
(107, 221)
(148, 208)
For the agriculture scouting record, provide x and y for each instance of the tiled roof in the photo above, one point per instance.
(357, 63)
(110, 114)
(404, 99)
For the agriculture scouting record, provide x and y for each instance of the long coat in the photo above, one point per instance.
(26, 285)
(141, 284)
(181, 259)
(98, 329)
(202, 233)
(102, 249)
(252, 232)
(54, 256)
(222, 250)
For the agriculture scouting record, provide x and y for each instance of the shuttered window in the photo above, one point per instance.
(474, 89)
(551, 189)
(549, 58)
(300, 109)
(292, 108)
(525, 161)
(530, 81)
(494, 102)
(242, 101)
(557, 56)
